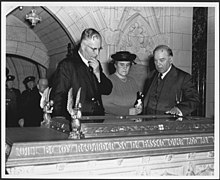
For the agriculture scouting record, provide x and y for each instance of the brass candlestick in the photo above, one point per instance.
(75, 113)
(75, 132)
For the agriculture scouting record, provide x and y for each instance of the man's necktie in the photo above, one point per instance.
(157, 85)
(90, 68)
(159, 78)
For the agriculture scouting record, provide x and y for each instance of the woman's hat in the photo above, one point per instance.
(29, 78)
(124, 56)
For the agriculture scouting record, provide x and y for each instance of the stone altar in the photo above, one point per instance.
(132, 149)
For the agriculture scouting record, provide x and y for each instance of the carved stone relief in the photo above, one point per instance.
(204, 170)
(178, 165)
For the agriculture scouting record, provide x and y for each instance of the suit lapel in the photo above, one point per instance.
(170, 81)
(87, 79)
(170, 78)
(150, 86)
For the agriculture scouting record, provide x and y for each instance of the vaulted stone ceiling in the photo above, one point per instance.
(30, 49)
(137, 29)
(122, 28)
(50, 31)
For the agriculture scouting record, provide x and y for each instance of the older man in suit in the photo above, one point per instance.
(168, 89)
(32, 113)
(81, 69)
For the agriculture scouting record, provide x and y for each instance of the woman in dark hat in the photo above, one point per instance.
(123, 95)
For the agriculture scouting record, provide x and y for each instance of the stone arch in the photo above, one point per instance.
(22, 41)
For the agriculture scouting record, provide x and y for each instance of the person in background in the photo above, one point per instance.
(32, 113)
(124, 93)
(168, 89)
(81, 69)
(13, 99)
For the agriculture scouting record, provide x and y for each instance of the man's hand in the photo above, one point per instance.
(175, 111)
(95, 66)
(21, 122)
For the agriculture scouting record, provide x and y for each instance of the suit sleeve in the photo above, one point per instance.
(105, 85)
(189, 97)
(60, 87)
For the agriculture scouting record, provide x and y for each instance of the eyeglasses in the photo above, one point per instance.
(95, 49)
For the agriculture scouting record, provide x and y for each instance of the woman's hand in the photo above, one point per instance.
(138, 109)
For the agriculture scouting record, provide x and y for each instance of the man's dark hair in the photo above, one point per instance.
(89, 33)
(163, 47)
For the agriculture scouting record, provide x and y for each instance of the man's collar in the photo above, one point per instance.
(83, 59)
(164, 74)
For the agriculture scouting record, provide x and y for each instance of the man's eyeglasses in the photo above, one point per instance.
(95, 49)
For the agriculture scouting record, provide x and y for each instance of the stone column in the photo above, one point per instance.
(199, 55)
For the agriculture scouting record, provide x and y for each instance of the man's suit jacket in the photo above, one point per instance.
(13, 100)
(73, 72)
(30, 108)
(177, 86)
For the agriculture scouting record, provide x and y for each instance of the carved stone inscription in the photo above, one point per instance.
(80, 147)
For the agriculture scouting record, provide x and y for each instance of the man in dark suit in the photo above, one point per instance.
(13, 99)
(169, 90)
(81, 69)
(32, 113)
